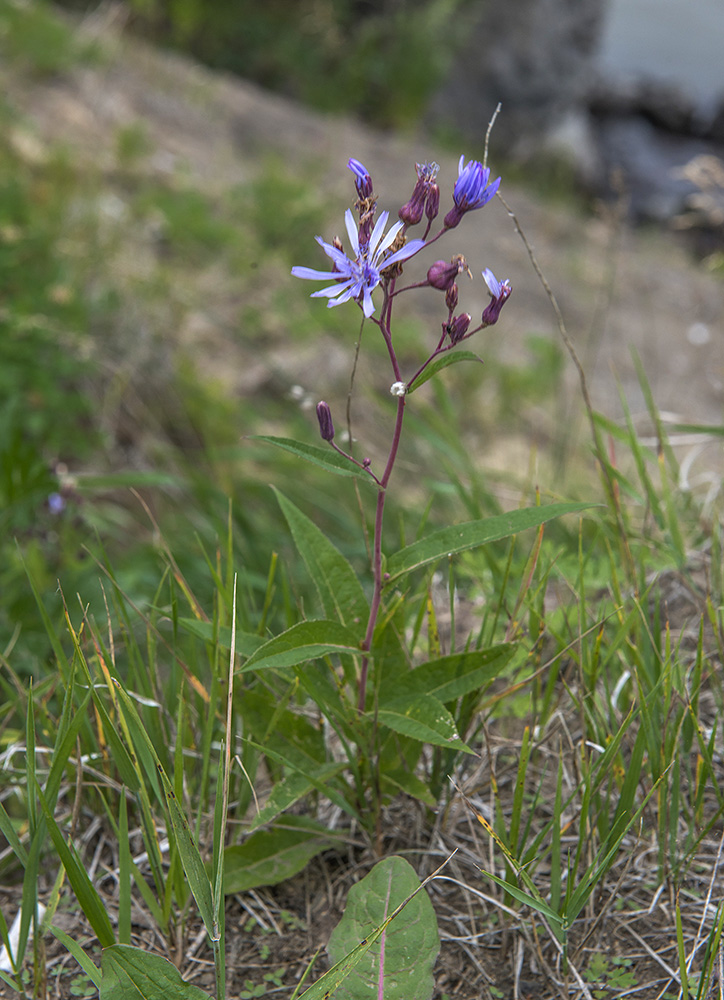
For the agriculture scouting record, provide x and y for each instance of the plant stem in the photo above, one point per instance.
(384, 325)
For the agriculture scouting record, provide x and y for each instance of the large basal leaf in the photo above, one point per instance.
(132, 974)
(339, 589)
(268, 857)
(460, 537)
(424, 718)
(449, 677)
(304, 641)
(405, 954)
(444, 361)
(326, 458)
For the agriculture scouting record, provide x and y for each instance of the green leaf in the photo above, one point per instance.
(86, 894)
(411, 942)
(460, 537)
(424, 718)
(304, 641)
(339, 589)
(449, 677)
(132, 974)
(193, 865)
(298, 783)
(270, 856)
(246, 642)
(326, 458)
(443, 361)
(89, 967)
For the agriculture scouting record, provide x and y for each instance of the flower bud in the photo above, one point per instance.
(411, 211)
(451, 297)
(432, 202)
(324, 416)
(458, 327)
(499, 292)
(362, 179)
(442, 275)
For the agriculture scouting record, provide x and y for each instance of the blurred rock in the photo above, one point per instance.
(535, 57)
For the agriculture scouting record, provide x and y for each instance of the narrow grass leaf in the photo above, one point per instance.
(124, 874)
(270, 856)
(424, 718)
(460, 537)
(84, 961)
(339, 589)
(305, 641)
(325, 458)
(89, 900)
(190, 856)
(132, 974)
(443, 361)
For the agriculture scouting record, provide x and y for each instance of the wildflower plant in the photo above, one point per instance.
(370, 687)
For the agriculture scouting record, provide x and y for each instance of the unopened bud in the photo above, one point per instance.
(411, 212)
(458, 327)
(362, 179)
(442, 275)
(432, 202)
(324, 416)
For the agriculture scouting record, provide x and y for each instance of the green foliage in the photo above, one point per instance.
(404, 955)
(33, 38)
(381, 60)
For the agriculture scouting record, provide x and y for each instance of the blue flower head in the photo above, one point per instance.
(471, 191)
(357, 277)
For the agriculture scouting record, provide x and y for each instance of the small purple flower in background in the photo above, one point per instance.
(471, 191)
(499, 292)
(356, 278)
(56, 503)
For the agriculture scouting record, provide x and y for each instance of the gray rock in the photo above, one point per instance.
(532, 56)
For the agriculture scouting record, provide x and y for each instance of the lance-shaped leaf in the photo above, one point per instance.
(424, 718)
(443, 361)
(460, 537)
(325, 458)
(304, 641)
(339, 589)
(449, 677)
(270, 856)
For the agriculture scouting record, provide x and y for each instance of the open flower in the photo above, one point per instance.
(471, 191)
(499, 292)
(357, 277)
